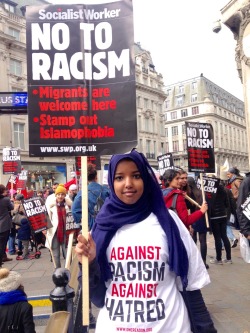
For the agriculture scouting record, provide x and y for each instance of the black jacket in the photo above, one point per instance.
(220, 204)
(23, 317)
(244, 191)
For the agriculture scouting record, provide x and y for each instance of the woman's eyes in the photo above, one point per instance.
(118, 177)
(136, 176)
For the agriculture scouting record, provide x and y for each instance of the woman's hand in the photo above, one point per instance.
(204, 207)
(85, 248)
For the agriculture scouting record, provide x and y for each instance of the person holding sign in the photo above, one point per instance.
(141, 257)
(57, 211)
(243, 207)
(218, 222)
(174, 198)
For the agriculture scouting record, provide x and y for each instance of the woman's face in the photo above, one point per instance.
(176, 182)
(183, 180)
(60, 197)
(128, 184)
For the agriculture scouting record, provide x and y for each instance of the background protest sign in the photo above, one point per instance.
(81, 79)
(210, 185)
(246, 207)
(36, 212)
(22, 180)
(95, 160)
(71, 225)
(165, 162)
(200, 147)
(11, 161)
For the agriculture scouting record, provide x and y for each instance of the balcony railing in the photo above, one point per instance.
(150, 155)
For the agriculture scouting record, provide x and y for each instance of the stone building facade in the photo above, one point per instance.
(200, 100)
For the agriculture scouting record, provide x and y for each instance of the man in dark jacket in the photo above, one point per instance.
(243, 194)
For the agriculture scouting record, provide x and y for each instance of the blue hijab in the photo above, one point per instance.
(115, 214)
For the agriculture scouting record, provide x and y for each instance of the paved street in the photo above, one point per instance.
(227, 297)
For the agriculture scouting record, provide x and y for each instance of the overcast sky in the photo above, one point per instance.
(179, 36)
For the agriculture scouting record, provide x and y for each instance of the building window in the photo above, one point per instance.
(173, 115)
(14, 33)
(165, 117)
(138, 101)
(15, 67)
(195, 110)
(184, 113)
(179, 100)
(148, 146)
(175, 146)
(140, 145)
(145, 103)
(167, 147)
(184, 144)
(162, 127)
(153, 125)
(9, 8)
(167, 103)
(193, 98)
(19, 135)
(183, 129)
(166, 132)
(194, 85)
(162, 148)
(147, 124)
(174, 130)
(181, 89)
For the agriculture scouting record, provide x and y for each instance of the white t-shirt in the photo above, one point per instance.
(144, 295)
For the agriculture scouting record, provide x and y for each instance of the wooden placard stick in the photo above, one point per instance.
(85, 231)
(51, 252)
(69, 251)
(192, 201)
(203, 197)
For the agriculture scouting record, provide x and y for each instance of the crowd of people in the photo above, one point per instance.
(142, 243)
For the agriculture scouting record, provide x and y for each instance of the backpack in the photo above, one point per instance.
(173, 205)
(98, 204)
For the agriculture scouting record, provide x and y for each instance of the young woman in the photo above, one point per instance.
(138, 260)
(174, 198)
(56, 236)
(198, 228)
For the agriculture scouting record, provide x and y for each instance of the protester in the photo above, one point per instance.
(57, 211)
(218, 222)
(243, 194)
(16, 313)
(234, 181)
(231, 212)
(12, 236)
(72, 192)
(50, 198)
(6, 206)
(174, 198)
(199, 227)
(141, 256)
(95, 190)
(24, 234)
